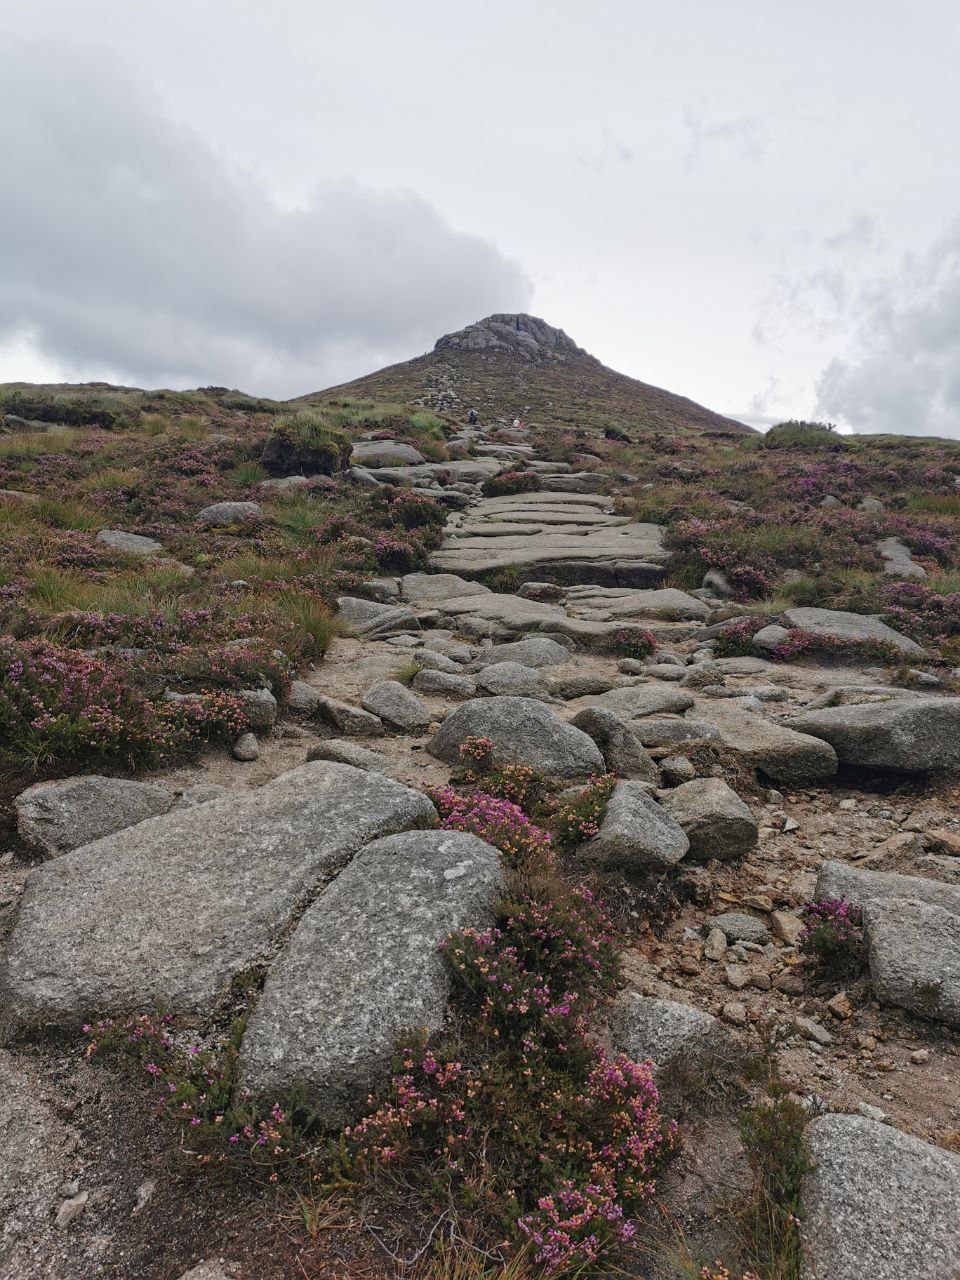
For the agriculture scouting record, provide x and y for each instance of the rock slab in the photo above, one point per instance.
(168, 912)
(55, 817)
(363, 965)
(879, 1203)
(522, 731)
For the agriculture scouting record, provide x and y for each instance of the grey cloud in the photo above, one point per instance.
(905, 374)
(745, 134)
(128, 244)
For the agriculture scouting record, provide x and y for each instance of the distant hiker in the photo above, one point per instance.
(473, 417)
(516, 423)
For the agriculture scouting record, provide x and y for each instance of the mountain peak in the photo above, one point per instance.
(527, 337)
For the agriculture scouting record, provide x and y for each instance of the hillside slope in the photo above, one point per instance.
(509, 366)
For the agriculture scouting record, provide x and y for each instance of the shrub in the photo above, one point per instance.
(579, 819)
(633, 642)
(773, 1136)
(58, 706)
(508, 482)
(396, 554)
(736, 640)
(832, 931)
(803, 435)
(495, 820)
(305, 444)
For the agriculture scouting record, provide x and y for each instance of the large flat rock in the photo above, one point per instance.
(783, 753)
(878, 1203)
(914, 951)
(362, 966)
(522, 731)
(905, 735)
(168, 912)
(837, 624)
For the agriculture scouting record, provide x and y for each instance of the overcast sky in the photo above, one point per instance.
(753, 202)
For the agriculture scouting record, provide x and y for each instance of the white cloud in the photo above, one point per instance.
(128, 245)
(904, 375)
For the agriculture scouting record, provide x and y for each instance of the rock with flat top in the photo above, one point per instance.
(908, 735)
(879, 1203)
(512, 679)
(221, 514)
(364, 965)
(428, 588)
(168, 912)
(396, 706)
(55, 817)
(914, 954)
(535, 651)
(132, 544)
(372, 620)
(837, 624)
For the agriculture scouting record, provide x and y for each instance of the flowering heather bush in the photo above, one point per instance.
(399, 554)
(517, 783)
(719, 1272)
(400, 508)
(58, 705)
(633, 642)
(832, 931)
(495, 820)
(736, 640)
(560, 1140)
(508, 482)
(579, 819)
(196, 1089)
(804, 642)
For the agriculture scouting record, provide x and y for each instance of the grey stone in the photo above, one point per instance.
(55, 817)
(785, 755)
(906, 735)
(636, 833)
(523, 731)
(717, 822)
(623, 753)
(914, 952)
(385, 453)
(221, 514)
(283, 484)
(860, 887)
(898, 561)
(443, 683)
(133, 544)
(350, 753)
(578, 686)
(673, 1036)
(168, 912)
(246, 748)
(662, 733)
(535, 651)
(636, 701)
(771, 636)
(202, 793)
(350, 719)
(304, 698)
(878, 1203)
(737, 926)
(363, 965)
(676, 769)
(260, 707)
(374, 621)
(428, 588)
(838, 624)
(719, 584)
(427, 659)
(512, 679)
(396, 706)
(29, 1133)
(383, 590)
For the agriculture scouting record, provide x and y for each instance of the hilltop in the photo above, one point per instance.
(509, 366)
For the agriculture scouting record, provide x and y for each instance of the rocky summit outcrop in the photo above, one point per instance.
(362, 966)
(878, 1203)
(168, 912)
(520, 336)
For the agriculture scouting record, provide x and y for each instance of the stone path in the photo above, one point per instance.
(317, 875)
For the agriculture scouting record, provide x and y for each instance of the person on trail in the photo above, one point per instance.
(516, 422)
(473, 417)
